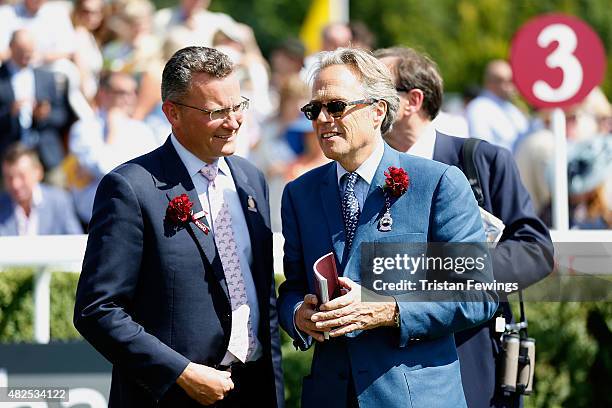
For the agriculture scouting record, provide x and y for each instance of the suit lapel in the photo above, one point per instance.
(332, 208)
(178, 181)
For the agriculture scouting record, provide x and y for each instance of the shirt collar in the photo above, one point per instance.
(424, 146)
(368, 168)
(37, 196)
(14, 69)
(194, 164)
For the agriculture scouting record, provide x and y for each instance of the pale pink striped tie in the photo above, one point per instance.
(242, 339)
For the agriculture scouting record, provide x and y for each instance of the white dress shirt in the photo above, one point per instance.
(425, 144)
(24, 89)
(366, 172)
(496, 120)
(28, 225)
(225, 183)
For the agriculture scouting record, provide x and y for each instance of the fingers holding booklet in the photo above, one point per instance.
(337, 308)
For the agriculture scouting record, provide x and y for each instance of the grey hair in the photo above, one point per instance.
(179, 70)
(375, 77)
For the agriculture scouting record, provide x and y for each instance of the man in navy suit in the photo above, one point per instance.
(177, 286)
(29, 207)
(31, 109)
(388, 353)
(524, 254)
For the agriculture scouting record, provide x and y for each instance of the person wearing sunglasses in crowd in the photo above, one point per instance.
(177, 287)
(389, 351)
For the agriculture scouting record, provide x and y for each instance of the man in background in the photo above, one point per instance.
(31, 109)
(492, 116)
(29, 207)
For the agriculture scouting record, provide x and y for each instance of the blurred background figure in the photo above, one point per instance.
(31, 110)
(199, 25)
(286, 59)
(89, 26)
(49, 23)
(135, 46)
(54, 40)
(361, 36)
(492, 116)
(333, 36)
(283, 141)
(237, 41)
(589, 168)
(534, 153)
(111, 137)
(29, 207)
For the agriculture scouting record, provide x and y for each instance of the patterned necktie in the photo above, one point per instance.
(350, 208)
(242, 338)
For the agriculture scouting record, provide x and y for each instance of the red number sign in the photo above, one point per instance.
(556, 60)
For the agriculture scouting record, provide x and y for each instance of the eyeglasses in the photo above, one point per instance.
(334, 108)
(221, 113)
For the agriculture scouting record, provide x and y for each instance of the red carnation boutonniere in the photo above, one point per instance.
(180, 212)
(396, 184)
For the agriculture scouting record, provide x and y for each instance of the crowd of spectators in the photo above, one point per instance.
(80, 94)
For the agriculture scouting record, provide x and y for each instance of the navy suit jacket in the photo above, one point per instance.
(151, 298)
(416, 365)
(524, 255)
(49, 147)
(56, 214)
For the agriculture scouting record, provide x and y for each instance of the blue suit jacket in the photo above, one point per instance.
(49, 146)
(56, 214)
(524, 255)
(417, 365)
(151, 298)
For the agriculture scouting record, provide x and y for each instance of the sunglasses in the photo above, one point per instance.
(334, 108)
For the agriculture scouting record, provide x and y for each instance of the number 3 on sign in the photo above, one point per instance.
(562, 57)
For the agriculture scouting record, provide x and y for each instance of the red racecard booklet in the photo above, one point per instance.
(326, 280)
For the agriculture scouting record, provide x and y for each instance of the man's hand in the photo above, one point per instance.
(348, 312)
(41, 110)
(205, 384)
(303, 317)
(16, 107)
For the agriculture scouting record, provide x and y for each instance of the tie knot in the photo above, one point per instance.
(210, 171)
(351, 179)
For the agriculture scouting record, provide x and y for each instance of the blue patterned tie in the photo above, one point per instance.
(350, 208)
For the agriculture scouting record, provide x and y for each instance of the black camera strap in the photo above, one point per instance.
(471, 173)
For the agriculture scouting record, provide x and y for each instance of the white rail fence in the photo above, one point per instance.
(65, 253)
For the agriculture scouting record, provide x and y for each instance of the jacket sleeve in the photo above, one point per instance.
(525, 252)
(106, 288)
(295, 286)
(454, 218)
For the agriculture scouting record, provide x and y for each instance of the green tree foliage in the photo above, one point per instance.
(461, 35)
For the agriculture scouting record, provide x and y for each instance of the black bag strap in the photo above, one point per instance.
(469, 168)
(471, 172)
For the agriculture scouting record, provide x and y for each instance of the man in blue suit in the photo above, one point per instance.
(524, 254)
(31, 109)
(29, 207)
(386, 353)
(177, 286)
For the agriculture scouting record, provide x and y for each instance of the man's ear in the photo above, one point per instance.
(413, 101)
(172, 113)
(379, 112)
